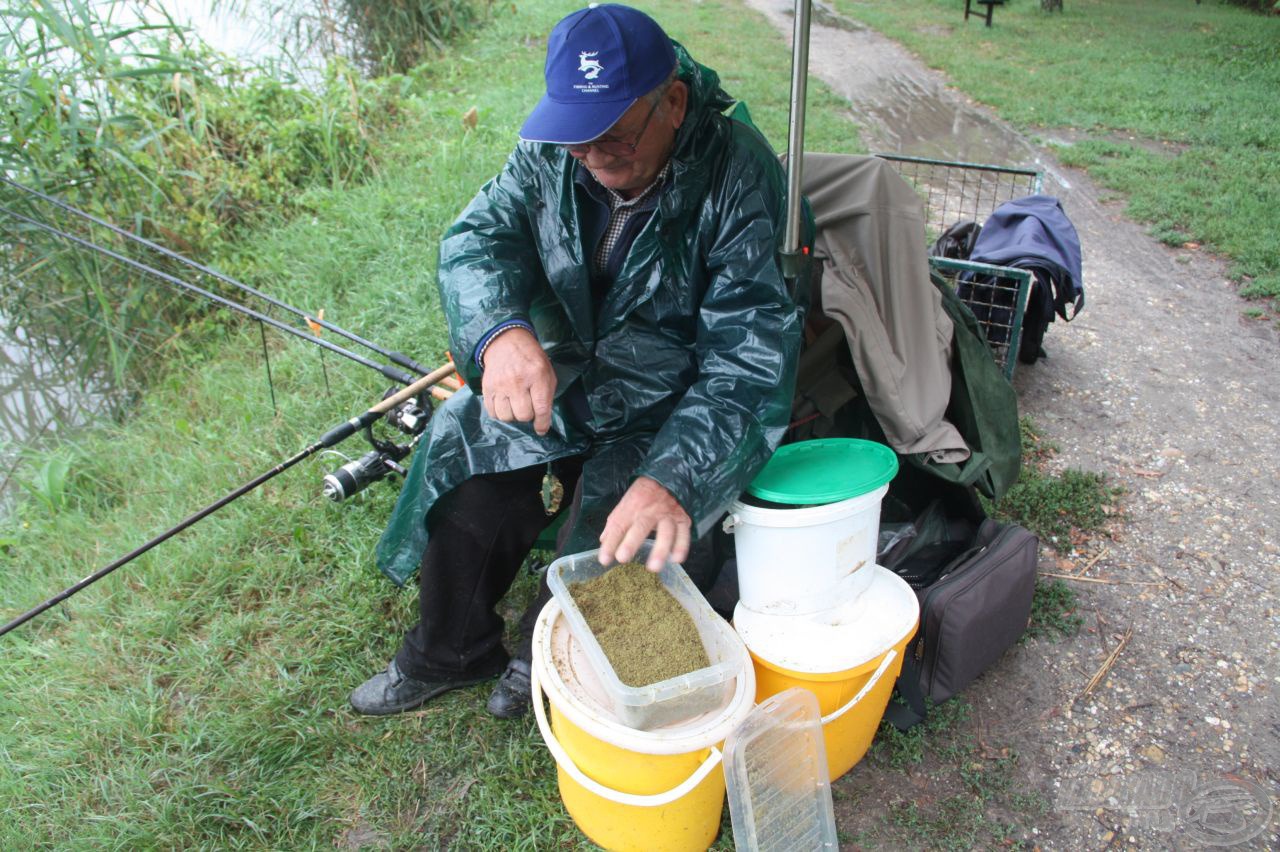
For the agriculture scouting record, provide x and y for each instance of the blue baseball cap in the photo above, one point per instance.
(599, 61)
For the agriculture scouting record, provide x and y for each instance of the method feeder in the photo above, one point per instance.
(334, 436)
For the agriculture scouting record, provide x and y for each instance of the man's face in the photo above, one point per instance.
(651, 129)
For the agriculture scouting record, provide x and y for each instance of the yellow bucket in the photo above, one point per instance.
(628, 789)
(851, 702)
(848, 656)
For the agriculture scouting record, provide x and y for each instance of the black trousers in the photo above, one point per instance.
(480, 534)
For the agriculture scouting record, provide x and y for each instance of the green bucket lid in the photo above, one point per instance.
(824, 471)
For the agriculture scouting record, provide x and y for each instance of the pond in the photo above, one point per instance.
(44, 397)
(45, 394)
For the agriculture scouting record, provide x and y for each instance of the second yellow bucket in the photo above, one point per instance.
(629, 789)
(848, 656)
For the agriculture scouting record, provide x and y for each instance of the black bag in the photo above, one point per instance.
(957, 241)
(975, 608)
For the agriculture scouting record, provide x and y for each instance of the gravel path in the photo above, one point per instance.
(1163, 385)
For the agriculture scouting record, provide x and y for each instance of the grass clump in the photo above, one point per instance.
(1054, 611)
(396, 37)
(963, 796)
(1057, 507)
(1178, 126)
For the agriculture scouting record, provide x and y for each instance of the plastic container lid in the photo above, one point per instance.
(824, 470)
(775, 769)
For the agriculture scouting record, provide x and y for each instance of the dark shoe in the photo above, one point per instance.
(393, 691)
(511, 697)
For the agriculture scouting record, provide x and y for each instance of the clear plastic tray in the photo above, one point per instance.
(775, 769)
(667, 702)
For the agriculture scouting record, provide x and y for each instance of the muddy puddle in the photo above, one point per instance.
(901, 107)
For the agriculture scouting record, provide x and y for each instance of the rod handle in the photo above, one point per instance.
(345, 430)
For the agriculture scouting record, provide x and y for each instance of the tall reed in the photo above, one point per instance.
(396, 35)
(143, 126)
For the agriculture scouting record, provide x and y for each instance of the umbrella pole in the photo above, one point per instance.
(792, 257)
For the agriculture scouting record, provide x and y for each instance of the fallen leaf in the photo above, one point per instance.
(470, 119)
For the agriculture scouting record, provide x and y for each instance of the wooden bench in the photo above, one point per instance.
(990, 4)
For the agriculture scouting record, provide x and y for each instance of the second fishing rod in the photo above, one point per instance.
(313, 321)
(392, 373)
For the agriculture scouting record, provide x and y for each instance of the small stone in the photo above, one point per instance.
(1153, 753)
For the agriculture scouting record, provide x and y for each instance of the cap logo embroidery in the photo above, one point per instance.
(589, 66)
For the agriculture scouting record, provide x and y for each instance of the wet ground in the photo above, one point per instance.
(1166, 387)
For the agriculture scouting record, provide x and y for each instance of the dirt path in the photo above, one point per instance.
(1165, 387)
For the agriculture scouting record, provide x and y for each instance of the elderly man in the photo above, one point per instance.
(628, 337)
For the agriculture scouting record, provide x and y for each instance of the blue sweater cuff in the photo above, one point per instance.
(478, 354)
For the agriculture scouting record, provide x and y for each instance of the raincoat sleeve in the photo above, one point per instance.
(748, 341)
(489, 264)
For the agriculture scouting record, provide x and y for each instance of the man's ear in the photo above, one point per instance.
(677, 98)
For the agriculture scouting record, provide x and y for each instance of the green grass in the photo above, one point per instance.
(1172, 104)
(197, 697)
(1061, 507)
(1054, 611)
(962, 794)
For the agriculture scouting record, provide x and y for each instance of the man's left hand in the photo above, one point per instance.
(646, 508)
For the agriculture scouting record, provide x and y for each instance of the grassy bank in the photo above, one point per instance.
(197, 698)
(1171, 104)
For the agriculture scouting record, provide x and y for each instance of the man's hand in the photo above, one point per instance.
(646, 507)
(519, 382)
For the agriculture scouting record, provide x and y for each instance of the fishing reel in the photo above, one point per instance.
(410, 418)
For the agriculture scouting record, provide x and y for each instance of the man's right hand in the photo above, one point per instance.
(519, 382)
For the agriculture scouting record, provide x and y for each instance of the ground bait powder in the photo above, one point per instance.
(644, 631)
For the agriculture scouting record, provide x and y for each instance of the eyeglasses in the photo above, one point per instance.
(615, 147)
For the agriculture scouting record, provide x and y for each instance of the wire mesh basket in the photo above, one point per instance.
(997, 296)
(956, 192)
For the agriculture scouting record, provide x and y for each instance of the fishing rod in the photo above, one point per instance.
(334, 436)
(398, 376)
(395, 357)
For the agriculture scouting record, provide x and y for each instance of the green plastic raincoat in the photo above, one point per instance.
(689, 368)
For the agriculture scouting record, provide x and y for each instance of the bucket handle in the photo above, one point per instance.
(566, 763)
(884, 666)
(730, 523)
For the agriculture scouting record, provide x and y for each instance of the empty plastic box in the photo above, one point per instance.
(775, 769)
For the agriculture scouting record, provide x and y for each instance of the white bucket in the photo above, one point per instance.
(798, 561)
